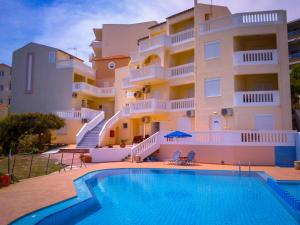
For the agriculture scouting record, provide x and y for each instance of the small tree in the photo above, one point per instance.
(295, 86)
(15, 126)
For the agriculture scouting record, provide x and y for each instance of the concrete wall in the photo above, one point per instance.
(52, 88)
(216, 154)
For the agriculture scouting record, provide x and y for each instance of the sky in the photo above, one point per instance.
(68, 24)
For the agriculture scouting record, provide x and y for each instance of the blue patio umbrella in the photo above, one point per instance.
(177, 134)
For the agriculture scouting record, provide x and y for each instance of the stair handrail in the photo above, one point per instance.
(107, 125)
(145, 145)
(89, 126)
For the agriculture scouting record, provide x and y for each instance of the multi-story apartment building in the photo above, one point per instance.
(294, 42)
(5, 89)
(49, 80)
(221, 76)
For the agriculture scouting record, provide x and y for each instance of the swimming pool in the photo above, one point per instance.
(168, 196)
(293, 187)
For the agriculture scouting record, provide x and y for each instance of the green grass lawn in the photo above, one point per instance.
(22, 165)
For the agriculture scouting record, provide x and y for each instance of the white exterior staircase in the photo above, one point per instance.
(146, 147)
(87, 137)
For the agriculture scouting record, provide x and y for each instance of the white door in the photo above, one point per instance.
(216, 123)
(264, 122)
(184, 124)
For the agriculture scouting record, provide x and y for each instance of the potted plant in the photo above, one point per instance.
(123, 143)
(4, 180)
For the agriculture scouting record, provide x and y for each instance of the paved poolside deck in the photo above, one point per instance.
(34, 193)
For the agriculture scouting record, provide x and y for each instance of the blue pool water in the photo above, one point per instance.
(157, 196)
(293, 187)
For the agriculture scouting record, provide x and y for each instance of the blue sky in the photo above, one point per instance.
(67, 24)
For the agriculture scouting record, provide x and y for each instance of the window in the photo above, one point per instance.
(51, 57)
(264, 122)
(111, 65)
(1, 73)
(213, 87)
(9, 101)
(212, 50)
(1, 101)
(1, 87)
(125, 125)
(29, 73)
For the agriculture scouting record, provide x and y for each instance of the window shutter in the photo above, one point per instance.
(212, 50)
(212, 87)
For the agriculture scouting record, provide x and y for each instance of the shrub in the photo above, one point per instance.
(28, 142)
(15, 126)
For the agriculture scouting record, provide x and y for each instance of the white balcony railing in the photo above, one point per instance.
(182, 104)
(156, 105)
(243, 19)
(93, 90)
(183, 36)
(84, 113)
(145, 73)
(237, 138)
(257, 98)
(153, 43)
(181, 71)
(76, 65)
(149, 105)
(256, 57)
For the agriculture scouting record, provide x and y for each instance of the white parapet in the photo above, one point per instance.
(257, 98)
(257, 57)
(241, 20)
(93, 90)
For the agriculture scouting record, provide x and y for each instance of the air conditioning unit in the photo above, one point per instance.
(146, 89)
(146, 119)
(190, 113)
(74, 95)
(227, 112)
(137, 94)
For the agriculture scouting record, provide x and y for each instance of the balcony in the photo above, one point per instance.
(78, 66)
(84, 113)
(147, 75)
(154, 43)
(96, 44)
(257, 98)
(159, 106)
(242, 20)
(185, 70)
(164, 41)
(182, 37)
(256, 57)
(93, 90)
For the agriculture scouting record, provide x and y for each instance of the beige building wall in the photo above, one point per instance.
(121, 39)
(224, 68)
